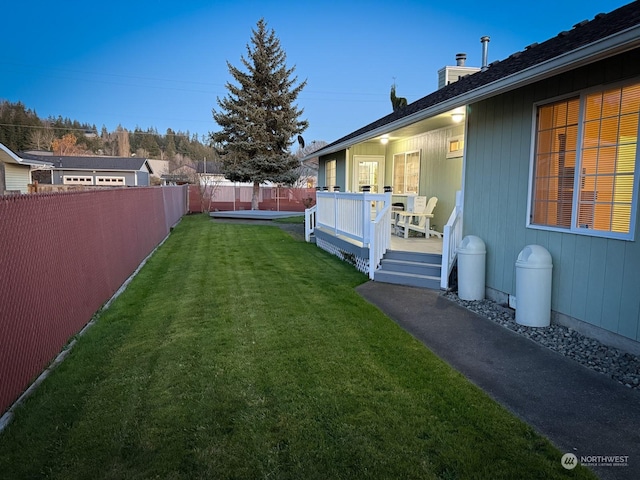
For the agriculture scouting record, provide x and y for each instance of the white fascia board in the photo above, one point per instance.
(607, 47)
(95, 170)
(7, 156)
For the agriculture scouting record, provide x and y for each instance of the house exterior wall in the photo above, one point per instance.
(16, 177)
(143, 179)
(439, 176)
(341, 169)
(369, 148)
(129, 177)
(595, 280)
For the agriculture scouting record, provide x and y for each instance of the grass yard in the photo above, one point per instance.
(296, 219)
(239, 352)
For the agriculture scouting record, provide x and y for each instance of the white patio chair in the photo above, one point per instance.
(424, 220)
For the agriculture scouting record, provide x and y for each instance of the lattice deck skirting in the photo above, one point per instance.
(361, 264)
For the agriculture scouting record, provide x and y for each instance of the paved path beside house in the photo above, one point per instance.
(581, 411)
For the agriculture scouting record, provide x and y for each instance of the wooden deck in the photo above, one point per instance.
(417, 244)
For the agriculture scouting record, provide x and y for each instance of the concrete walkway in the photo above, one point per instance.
(579, 410)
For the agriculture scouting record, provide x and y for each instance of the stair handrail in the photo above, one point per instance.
(309, 222)
(452, 237)
(380, 236)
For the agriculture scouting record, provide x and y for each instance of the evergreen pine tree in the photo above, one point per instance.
(258, 117)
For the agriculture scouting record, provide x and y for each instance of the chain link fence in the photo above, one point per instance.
(62, 256)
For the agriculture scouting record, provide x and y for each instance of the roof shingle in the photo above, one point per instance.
(89, 163)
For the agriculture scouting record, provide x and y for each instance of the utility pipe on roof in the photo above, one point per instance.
(485, 52)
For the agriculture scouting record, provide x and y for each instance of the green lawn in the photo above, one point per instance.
(240, 352)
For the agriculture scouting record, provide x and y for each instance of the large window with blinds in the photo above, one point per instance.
(584, 163)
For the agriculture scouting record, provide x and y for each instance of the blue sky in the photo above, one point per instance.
(162, 64)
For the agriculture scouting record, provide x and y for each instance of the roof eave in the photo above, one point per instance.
(613, 45)
(8, 156)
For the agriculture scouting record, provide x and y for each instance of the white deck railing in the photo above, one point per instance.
(309, 222)
(363, 217)
(452, 238)
(349, 214)
(380, 238)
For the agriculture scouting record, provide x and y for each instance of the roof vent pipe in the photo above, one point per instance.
(460, 59)
(485, 52)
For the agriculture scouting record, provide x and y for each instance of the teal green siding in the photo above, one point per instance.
(595, 280)
(370, 148)
(340, 158)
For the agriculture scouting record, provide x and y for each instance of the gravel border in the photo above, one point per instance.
(610, 361)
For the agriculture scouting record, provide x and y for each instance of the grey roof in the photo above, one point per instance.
(7, 156)
(93, 163)
(581, 35)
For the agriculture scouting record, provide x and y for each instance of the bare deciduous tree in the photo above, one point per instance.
(307, 175)
(41, 138)
(124, 148)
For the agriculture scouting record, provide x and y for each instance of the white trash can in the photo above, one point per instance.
(471, 268)
(533, 287)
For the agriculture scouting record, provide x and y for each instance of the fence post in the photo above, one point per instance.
(335, 214)
(366, 218)
(372, 248)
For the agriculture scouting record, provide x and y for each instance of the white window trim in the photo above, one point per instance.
(379, 159)
(112, 180)
(393, 169)
(335, 172)
(76, 180)
(582, 94)
(455, 153)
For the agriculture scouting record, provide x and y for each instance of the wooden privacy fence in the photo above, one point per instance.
(62, 256)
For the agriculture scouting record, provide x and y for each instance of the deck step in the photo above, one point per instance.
(410, 268)
(413, 256)
(408, 279)
(404, 266)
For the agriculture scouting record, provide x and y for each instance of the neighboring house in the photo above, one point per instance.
(15, 172)
(96, 171)
(546, 154)
(179, 176)
(210, 173)
(159, 167)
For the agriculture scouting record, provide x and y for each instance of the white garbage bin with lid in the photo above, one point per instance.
(471, 268)
(533, 287)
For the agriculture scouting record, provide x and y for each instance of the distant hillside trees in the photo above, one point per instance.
(16, 125)
(21, 129)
